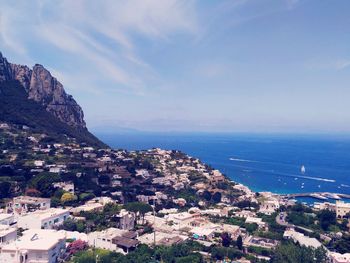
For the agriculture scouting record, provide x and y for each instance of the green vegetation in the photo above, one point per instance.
(322, 221)
(43, 183)
(139, 208)
(17, 109)
(327, 218)
(341, 245)
(96, 221)
(174, 254)
(260, 251)
(287, 252)
(73, 225)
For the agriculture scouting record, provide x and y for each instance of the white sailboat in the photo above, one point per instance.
(302, 169)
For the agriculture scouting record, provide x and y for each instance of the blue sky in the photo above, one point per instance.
(231, 66)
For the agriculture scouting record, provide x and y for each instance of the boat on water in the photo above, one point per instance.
(302, 169)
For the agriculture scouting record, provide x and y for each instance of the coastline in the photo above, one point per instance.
(271, 164)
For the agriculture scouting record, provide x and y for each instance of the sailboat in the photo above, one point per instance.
(302, 169)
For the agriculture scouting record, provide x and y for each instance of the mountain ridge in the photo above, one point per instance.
(33, 97)
(45, 89)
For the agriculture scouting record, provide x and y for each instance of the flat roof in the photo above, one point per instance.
(30, 199)
(35, 239)
(44, 214)
(5, 216)
(5, 230)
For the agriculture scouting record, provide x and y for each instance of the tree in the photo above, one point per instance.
(86, 196)
(219, 253)
(69, 225)
(76, 246)
(139, 208)
(104, 179)
(226, 239)
(216, 197)
(206, 195)
(5, 189)
(342, 245)
(292, 253)
(327, 218)
(239, 243)
(251, 227)
(43, 183)
(68, 197)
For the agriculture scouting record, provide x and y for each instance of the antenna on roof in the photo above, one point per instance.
(35, 237)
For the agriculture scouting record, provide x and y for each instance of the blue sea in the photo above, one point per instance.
(262, 162)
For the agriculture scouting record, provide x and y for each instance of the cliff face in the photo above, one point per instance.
(43, 88)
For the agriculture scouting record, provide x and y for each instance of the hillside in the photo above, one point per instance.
(45, 89)
(16, 108)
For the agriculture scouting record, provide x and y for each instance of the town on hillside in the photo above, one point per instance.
(65, 201)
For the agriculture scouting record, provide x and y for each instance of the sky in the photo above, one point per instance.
(187, 65)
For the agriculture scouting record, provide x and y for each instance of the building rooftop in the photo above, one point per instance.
(125, 242)
(303, 240)
(30, 199)
(5, 230)
(35, 239)
(256, 220)
(44, 214)
(5, 216)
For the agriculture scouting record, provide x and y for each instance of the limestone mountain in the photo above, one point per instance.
(33, 97)
(43, 88)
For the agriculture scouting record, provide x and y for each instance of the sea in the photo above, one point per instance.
(263, 162)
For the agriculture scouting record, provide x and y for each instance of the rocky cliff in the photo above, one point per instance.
(43, 88)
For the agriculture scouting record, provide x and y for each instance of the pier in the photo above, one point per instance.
(318, 195)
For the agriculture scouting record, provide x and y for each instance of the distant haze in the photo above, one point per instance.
(211, 66)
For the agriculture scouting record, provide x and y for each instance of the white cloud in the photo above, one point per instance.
(7, 36)
(291, 4)
(102, 32)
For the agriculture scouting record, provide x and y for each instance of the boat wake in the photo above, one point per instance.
(243, 160)
(316, 178)
(287, 175)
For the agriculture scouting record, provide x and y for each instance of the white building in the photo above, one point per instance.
(256, 220)
(342, 208)
(46, 219)
(206, 232)
(39, 163)
(162, 238)
(181, 220)
(7, 235)
(65, 186)
(125, 220)
(301, 239)
(324, 205)
(56, 170)
(268, 207)
(35, 246)
(6, 219)
(113, 239)
(339, 258)
(24, 204)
